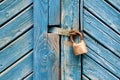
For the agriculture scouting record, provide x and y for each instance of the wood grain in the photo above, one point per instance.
(10, 8)
(5, 3)
(30, 77)
(103, 56)
(101, 22)
(16, 50)
(20, 69)
(54, 12)
(81, 14)
(116, 3)
(94, 71)
(92, 20)
(45, 50)
(53, 43)
(105, 12)
(70, 64)
(84, 77)
(102, 37)
(16, 27)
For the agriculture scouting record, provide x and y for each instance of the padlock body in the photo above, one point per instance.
(80, 48)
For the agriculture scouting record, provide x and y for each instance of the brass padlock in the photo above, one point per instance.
(79, 48)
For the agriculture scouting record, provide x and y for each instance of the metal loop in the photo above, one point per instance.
(73, 33)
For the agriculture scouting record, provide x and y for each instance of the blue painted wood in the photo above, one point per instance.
(54, 12)
(89, 18)
(5, 3)
(100, 55)
(94, 71)
(116, 3)
(84, 77)
(30, 77)
(105, 13)
(40, 30)
(81, 14)
(16, 50)
(101, 27)
(54, 19)
(45, 50)
(102, 61)
(20, 69)
(8, 10)
(102, 37)
(16, 40)
(16, 27)
(70, 64)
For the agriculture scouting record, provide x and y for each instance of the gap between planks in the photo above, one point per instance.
(16, 63)
(14, 16)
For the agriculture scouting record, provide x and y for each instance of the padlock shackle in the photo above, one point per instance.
(73, 33)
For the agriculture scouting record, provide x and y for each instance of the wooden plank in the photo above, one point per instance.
(89, 18)
(84, 77)
(54, 12)
(103, 56)
(40, 31)
(104, 12)
(45, 50)
(70, 64)
(14, 8)
(16, 27)
(54, 19)
(5, 3)
(116, 3)
(30, 77)
(101, 37)
(53, 43)
(95, 71)
(16, 50)
(20, 69)
(81, 14)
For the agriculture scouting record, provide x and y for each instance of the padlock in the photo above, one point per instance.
(79, 48)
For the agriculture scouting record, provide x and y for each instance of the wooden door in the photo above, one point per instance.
(99, 22)
(54, 59)
(31, 49)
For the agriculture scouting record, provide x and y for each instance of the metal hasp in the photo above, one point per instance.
(59, 31)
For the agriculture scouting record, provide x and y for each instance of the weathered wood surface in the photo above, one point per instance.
(84, 77)
(92, 20)
(102, 37)
(81, 14)
(46, 50)
(70, 64)
(101, 32)
(94, 71)
(30, 77)
(20, 69)
(10, 8)
(100, 55)
(54, 12)
(104, 12)
(16, 50)
(16, 39)
(16, 27)
(115, 3)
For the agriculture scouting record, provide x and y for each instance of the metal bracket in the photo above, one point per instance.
(59, 31)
